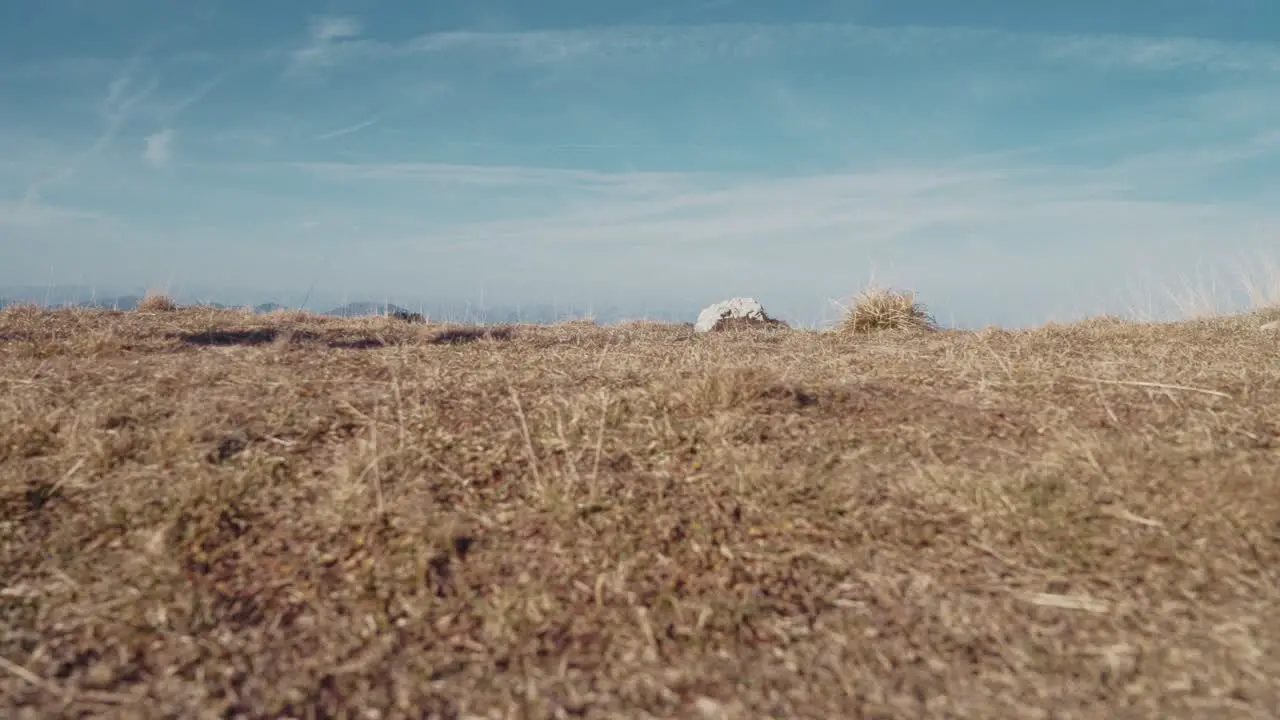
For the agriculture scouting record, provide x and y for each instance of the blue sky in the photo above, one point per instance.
(1012, 161)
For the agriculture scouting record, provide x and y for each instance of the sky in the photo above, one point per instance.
(1012, 162)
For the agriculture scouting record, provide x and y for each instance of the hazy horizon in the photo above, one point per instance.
(1011, 164)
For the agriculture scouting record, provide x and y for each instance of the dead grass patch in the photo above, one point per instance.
(305, 517)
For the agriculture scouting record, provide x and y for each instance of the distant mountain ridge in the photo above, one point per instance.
(130, 302)
(121, 302)
(361, 309)
(440, 311)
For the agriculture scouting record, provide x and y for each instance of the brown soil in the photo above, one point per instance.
(207, 514)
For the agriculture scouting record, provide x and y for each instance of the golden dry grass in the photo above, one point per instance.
(877, 309)
(156, 302)
(209, 514)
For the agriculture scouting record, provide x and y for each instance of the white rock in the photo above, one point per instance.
(739, 307)
(1273, 326)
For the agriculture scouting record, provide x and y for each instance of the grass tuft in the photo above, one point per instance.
(156, 302)
(878, 309)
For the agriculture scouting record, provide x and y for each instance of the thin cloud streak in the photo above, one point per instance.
(349, 130)
(172, 110)
(117, 109)
(329, 39)
(34, 216)
(731, 40)
(327, 28)
(473, 175)
(855, 209)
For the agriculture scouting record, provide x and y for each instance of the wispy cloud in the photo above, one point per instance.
(475, 175)
(332, 42)
(1154, 53)
(63, 69)
(34, 216)
(1006, 204)
(328, 28)
(330, 36)
(348, 130)
(170, 110)
(158, 148)
(1081, 229)
(123, 96)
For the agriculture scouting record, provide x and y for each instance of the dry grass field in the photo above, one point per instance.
(211, 514)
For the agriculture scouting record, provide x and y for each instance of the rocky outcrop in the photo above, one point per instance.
(735, 313)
